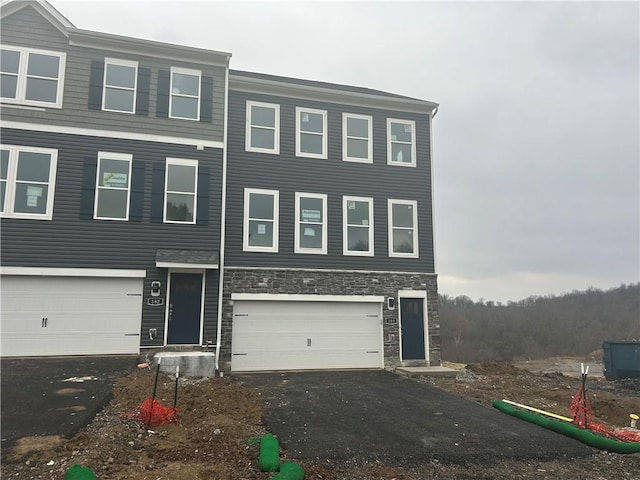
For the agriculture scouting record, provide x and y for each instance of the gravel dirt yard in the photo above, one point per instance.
(218, 417)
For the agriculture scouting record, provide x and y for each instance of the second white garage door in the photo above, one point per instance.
(294, 335)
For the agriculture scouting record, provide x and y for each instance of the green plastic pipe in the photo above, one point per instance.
(269, 459)
(585, 436)
(290, 471)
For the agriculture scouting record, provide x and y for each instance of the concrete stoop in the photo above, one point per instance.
(422, 371)
(191, 364)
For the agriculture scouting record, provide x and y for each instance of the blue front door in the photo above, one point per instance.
(412, 318)
(185, 301)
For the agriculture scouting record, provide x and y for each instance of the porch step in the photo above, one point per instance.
(192, 364)
(435, 371)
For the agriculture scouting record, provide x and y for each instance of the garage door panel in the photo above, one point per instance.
(85, 315)
(274, 335)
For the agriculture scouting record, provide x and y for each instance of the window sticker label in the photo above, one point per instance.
(262, 229)
(34, 191)
(305, 117)
(407, 128)
(114, 179)
(394, 138)
(365, 222)
(311, 215)
(351, 205)
(309, 232)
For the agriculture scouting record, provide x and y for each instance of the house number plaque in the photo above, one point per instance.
(155, 301)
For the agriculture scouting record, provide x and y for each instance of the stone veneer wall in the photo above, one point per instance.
(313, 282)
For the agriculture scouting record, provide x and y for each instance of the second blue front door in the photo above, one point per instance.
(412, 318)
(185, 306)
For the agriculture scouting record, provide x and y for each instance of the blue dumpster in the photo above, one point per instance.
(621, 360)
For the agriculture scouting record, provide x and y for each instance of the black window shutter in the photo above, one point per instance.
(206, 99)
(164, 82)
(87, 193)
(157, 194)
(96, 79)
(204, 175)
(137, 191)
(142, 95)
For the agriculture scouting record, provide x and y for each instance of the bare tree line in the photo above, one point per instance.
(572, 324)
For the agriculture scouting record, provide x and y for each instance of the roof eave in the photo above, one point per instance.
(119, 43)
(293, 90)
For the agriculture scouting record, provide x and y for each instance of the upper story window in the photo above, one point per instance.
(401, 142)
(113, 186)
(185, 93)
(357, 225)
(311, 223)
(403, 228)
(357, 138)
(32, 77)
(180, 192)
(311, 133)
(261, 211)
(27, 182)
(120, 83)
(263, 127)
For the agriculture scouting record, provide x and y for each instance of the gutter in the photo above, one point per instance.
(223, 214)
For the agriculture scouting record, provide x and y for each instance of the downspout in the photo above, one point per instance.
(432, 114)
(223, 213)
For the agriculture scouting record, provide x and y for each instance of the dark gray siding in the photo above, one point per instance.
(334, 177)
(27, 28)
(71, 240)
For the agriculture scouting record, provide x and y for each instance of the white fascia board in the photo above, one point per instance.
(307, 92)
(90, 132)
(137, 46)
(284, 297)
(176, 265)
(73, 272)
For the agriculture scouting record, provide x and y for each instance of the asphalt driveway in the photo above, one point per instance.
(353, 416)
(55, 396)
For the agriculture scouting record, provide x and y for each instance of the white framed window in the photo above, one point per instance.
(32, 77)
(357, 226)
(113, 186)
(27, 181)
(357, 138)
(311, 223)
(185, 93)
(180, 191)
(311, 133)
(401, 142)
(119, 86)
(403, 228)
(261, 212)
(263, 127)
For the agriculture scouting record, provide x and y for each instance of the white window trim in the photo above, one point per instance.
(122, 63)
(186, 71)
(390, 160)
(345, 229)
(276, 220)
(414, 204)
(112, 156)
(21, 87)
(324, 223)
(322, 155)
(9, 201)
(345, 156)
(185, 162)
(276, 130)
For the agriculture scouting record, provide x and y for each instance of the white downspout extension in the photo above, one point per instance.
(223, 214)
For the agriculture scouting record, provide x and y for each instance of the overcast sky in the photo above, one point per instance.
(536, 143)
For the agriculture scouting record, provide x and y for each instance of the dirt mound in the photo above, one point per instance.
(494, 368)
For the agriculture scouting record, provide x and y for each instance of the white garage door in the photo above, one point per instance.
(70, 315)
(293, 335)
